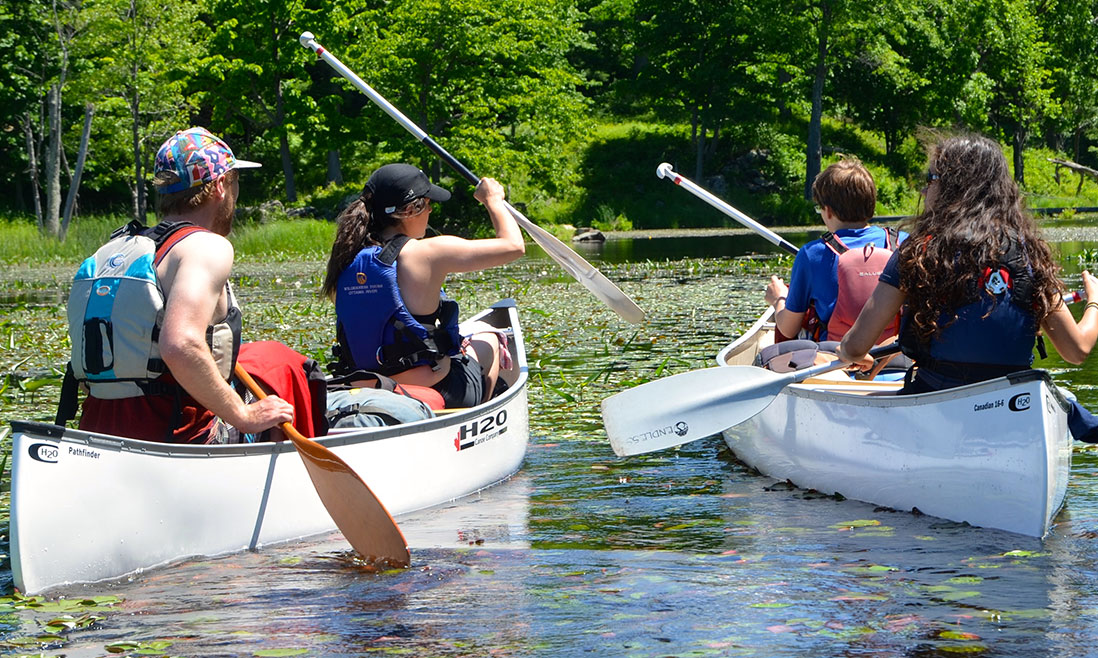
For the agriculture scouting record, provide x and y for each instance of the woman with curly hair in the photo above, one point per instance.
(975, 281)
(386, 277)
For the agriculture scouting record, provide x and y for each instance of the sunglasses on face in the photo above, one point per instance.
(931, 177)
(412, 208)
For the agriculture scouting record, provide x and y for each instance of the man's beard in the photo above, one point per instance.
(223, 221)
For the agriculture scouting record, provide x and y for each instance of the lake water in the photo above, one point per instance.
(679, 553)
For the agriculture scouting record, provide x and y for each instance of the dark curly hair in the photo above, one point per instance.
(977, 211)
(359, 226)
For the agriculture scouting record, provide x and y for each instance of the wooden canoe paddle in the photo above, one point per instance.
(357, 512)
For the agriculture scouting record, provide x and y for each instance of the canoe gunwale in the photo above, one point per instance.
(344, 438)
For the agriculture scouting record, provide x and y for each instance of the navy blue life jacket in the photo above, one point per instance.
(992, 336)
(375, 330)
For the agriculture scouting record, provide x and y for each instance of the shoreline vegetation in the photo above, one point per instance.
(310, 239)
(619, 195)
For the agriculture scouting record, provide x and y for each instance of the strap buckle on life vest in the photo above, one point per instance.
(996, 282)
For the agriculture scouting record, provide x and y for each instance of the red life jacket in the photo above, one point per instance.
(858, 271)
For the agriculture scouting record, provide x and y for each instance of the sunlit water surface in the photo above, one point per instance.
(679, 553)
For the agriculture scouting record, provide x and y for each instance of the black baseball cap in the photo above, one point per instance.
(394, 185)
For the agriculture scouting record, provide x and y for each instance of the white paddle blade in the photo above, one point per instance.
(581, 270)
(686, 407)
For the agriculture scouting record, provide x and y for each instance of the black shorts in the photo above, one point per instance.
(463, 386)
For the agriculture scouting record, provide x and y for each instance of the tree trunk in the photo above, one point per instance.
(335, 172)
(74, 185)
(813, 153)
(699, 151)
(140, 198)
(32, 168)
(52, 218)
(784, 112)
(694, 124)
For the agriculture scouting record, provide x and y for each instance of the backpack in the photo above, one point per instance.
(858, 271)
(388, 404)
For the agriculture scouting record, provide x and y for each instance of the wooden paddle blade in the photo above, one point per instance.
(357, 512)
(685, 407)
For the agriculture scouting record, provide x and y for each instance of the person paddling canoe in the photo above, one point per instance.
(154, 324)
(385, 278)
(976, 282)
(827, 285)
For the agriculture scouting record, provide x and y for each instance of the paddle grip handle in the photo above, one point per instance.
(876, 353)
(665, 171)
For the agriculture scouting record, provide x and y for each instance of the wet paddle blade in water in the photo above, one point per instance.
(356, 511)
(685, 407)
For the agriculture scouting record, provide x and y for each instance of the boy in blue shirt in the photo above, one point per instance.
(846, 198)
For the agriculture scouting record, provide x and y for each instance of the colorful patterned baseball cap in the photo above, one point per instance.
(196, 157)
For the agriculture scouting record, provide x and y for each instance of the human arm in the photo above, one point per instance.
(194, 277)
(788, 322)
(449, 253)
(1074, 341)
(883, 305)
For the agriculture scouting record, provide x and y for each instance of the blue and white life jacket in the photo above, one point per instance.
(375, 329)
(115, 312)
(991, 336)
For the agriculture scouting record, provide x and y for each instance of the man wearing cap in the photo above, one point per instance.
(196, 177)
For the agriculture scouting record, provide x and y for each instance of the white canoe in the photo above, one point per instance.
(90, 507)
(995, 454)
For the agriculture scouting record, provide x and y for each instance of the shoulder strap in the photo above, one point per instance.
(834, 243)
(67, 405)
(344, 381)
(168, 234)
(892, 237)
(392, 249)
(132, 228)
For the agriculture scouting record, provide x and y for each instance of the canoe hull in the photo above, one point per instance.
(995, 454)
(88, 507)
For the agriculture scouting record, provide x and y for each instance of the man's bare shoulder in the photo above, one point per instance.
(200, 255)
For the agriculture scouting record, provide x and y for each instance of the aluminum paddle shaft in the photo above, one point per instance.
(665, 171)
(693, 405)
(572, 263)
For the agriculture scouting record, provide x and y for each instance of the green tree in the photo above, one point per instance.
(807, 38)
(1012, 52)
(137, 79)
(489, 81)
(40, 73)
(1071, 28)
(698, 56)
(24, 69)
(253, 74)
(901, 69)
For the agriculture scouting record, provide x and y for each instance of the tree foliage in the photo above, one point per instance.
(512, 87)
